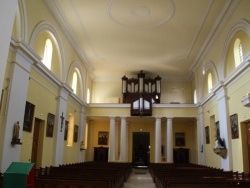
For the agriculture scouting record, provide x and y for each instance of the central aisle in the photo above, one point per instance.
(139, 178)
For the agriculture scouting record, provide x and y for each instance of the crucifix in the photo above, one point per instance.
(62, 118)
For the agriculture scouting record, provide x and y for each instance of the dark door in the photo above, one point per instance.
(248, 141)
(141, 152)
(35, 141)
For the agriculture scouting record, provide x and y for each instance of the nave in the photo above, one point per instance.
(139, 178)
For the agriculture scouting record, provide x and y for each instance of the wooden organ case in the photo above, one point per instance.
(141, 93)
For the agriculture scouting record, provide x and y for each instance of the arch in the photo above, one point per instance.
(239, 25)
(48, 28)
(75, 67)
(20, 22)
(208, 69)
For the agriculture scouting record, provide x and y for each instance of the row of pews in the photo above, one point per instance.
(83, 175)
(191, 175)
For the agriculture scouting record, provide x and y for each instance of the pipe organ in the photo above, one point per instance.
(141, 93)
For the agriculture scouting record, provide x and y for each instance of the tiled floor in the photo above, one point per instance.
(139, 178)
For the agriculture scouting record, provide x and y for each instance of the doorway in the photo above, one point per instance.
(37, 143)
(141, 149)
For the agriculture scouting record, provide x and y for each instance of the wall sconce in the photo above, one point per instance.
(246, 100)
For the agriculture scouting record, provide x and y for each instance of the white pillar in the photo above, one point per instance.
(201, 138)
(225, 131)
(169, 140)
(112, 139)
(59, 131)
(124, 140)
(7, 15)
(158, 140)
(15, 107)
(117, 140)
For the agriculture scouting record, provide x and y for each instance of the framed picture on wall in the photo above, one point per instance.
(75, 133)
(217, 129)
(66, 130)
(28, 116)
(50, 125)
(103, 138)
(179, 139)
(234, 126)
(207, 134)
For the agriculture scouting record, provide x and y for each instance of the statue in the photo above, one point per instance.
(15, 139)
(16, 130)
(219, 143)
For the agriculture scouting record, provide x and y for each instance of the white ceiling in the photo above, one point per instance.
(122, 37)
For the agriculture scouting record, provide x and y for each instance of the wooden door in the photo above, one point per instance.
(35, 141)
(248, 141)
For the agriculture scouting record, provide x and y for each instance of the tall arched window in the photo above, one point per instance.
(195, 97)
(47, 56)
(74, 82)
(88, 95)
(238, 53)
(209, 82)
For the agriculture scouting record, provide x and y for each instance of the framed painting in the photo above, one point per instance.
(180, 139)
(66, 130)
(234, 126)
(28, 116)
(75, 133)
(217, 129)
(50, 125)
(207, 135)
(103, 138)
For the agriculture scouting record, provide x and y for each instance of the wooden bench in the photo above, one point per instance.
(86, 175)
(191, 175)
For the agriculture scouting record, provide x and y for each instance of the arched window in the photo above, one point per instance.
(195, 97)
(47, 56)
(209, 82)
(74, 82)
(238, 54)
(88, 96)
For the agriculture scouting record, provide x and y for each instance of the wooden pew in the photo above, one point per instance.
(87, 175)
(191, 175)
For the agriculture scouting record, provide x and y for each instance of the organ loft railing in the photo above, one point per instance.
(141, 93)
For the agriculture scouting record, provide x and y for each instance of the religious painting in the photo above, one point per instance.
(180, 139)
(217, 129)
(102, 138)
(28, 116)
(234, 126)
(50, 125)
(75, 133)
(66, 130)
(207, 135)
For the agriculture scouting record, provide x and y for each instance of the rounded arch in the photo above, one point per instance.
(209, 69)
(238, 26)
(76, 68)
(48, 28)
(20, 23)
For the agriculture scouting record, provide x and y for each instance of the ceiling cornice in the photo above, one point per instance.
(53, 6)
(225, 14)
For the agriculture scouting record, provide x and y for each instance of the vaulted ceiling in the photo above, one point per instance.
(122, 37)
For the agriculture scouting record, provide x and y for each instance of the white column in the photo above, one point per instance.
(59, 131)
(15, 107)
(112, 139)
(169, 140)
(201, 138)
(124, 140)
(7, 15)
(225, 132)
(82, 133)
(158, 140)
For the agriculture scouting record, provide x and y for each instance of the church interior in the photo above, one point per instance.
(144, 83)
